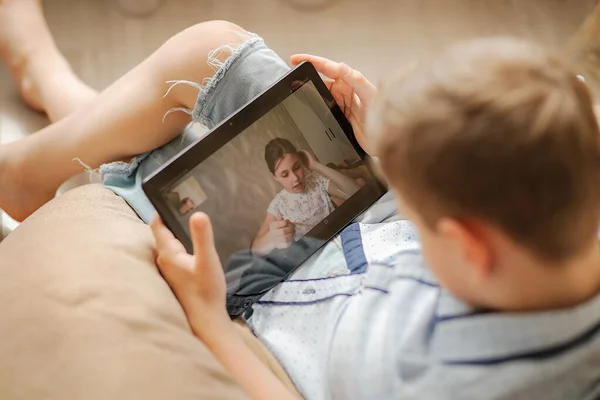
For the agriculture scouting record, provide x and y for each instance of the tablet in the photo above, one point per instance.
(278, 179)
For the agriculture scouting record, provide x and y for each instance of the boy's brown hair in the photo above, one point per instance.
(498, 130)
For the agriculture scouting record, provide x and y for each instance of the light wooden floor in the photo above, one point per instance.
(371, 35)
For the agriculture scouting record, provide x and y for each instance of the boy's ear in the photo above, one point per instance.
(473, 242)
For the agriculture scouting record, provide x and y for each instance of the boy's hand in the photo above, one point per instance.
(198, 281)
(350, 89)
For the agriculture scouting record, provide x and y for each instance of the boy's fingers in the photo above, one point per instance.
(343, 96)
(329, 68)
(203, 240)
(365, 90)
(165, 241)
(334, 70)
(329, 83)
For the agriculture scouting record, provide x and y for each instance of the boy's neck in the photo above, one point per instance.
(567, 284)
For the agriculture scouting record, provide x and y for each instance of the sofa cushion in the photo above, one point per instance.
(85, 314)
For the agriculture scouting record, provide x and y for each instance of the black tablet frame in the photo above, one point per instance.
(161, 180)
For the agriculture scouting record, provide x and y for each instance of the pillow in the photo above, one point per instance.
(84, 313)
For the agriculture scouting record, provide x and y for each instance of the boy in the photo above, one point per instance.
(492, 151)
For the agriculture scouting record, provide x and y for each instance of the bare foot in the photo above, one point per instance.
(25, 39)
(46, 83)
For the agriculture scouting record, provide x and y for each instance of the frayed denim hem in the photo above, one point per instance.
(199, 114)
(123, 168)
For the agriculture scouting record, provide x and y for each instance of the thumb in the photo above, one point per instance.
(203, 240)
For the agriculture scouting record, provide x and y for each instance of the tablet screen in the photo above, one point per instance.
(273, 189)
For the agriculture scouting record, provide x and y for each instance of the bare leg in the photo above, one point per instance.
(43, 76)
(123, 120)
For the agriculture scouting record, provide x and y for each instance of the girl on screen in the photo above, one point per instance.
(305, 199)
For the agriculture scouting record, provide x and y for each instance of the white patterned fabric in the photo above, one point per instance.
(365, 319)
(305, 209)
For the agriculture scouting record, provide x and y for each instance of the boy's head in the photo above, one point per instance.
(494, 152)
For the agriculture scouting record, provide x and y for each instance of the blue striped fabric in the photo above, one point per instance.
(353, 249)
(389, 331)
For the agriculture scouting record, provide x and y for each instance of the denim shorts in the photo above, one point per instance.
(250, 69)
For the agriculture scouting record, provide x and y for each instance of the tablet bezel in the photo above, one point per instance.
(185, 161)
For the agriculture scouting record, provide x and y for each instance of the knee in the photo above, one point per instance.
(216, 28)
(199, 39)
(189, 49)
(185, 56)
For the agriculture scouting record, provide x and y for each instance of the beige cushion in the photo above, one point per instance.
(84, 313)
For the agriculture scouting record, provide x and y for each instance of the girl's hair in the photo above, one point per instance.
(276, 149)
